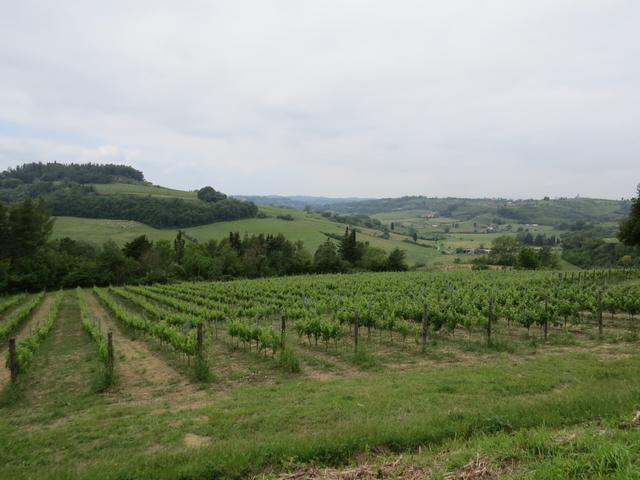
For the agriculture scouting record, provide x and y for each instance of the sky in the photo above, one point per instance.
(370, 98)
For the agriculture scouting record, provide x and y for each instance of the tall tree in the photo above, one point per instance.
(178, 246)
(28, 228)
(629, 232)
(137, 247)
(349, 246)
(326, 259)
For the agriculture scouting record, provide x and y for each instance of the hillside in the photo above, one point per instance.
(117, 192)
(312, 229)
(543, 212)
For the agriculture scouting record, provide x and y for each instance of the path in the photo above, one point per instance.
(141, 374)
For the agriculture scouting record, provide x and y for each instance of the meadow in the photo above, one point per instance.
(549, 390)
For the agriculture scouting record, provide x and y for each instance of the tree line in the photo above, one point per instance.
(72, 172)
(29, 260)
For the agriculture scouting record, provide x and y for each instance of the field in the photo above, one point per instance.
(524, 375)
(436, 251)
(138, 189)
(310, 228)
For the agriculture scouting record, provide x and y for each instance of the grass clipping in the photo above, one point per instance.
(477, 468)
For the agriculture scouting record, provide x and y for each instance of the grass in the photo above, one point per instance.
(605, 448)
(138, 189)
(309, 228)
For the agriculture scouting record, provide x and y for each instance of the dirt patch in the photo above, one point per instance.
(396, 469)
(142, 375)
(478, 468)
(192, 440)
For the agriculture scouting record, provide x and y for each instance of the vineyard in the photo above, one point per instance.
(249, 356)
(367, 315)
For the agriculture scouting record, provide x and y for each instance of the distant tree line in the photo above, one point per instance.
(72, 172)
(30, 261)
(507, 251)
(350, 254)
(540, 240)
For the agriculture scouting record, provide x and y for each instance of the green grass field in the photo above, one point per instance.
(138, 189)
(310, 228)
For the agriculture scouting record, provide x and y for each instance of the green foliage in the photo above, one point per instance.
(27, 347)
(629, 232)
(92, 329)
(326, 259)
(288, 361)
(209, 195)
(265, 338)
(71, 172)
(162, 330)
(137, 247)
(10, 324)
(592, 248)
(10, 302)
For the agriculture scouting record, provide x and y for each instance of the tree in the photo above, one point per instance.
(527, 259)
(349, 246)
(392, 226)
(414, 235)
(326, 259)
(396, 261)
(137, 247)
(374, 259)
(546, 258)
(27, 228)
(629, 232)
(504, 250)
(178, 246)
(210, 195)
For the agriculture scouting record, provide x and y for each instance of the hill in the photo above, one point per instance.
(116, 192)
(310, 228)
(298, 202)
(556, 212)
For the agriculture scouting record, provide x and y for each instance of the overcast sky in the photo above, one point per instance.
(331, 97)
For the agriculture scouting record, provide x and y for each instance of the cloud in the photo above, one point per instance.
(349, 97)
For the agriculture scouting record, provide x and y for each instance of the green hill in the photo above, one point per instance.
(117, 192)
(553, 212)
(310, 228)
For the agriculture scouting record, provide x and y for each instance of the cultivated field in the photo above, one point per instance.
(502, 375)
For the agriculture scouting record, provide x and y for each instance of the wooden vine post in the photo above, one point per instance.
(110, 349)
(283, 329)
(489, 320)
(356, 330)
(13, 360)
(425, 325)
(600, 326)
(546, 318)
(200, 339)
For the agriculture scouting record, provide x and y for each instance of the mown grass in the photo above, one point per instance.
(301, 420)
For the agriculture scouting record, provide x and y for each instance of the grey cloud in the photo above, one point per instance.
(348, 97)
